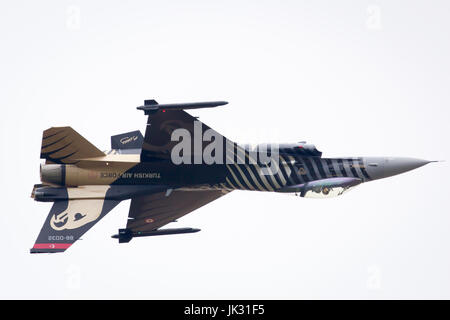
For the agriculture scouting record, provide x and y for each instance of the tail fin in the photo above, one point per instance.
(128, 140)
(66, 146)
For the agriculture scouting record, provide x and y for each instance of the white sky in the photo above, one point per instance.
(356, 78)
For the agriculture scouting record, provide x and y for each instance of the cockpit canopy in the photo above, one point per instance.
(295, 149)
(301, 149)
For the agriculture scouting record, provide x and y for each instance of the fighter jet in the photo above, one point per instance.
(180, 165)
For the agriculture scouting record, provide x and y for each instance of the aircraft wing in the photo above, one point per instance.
(150, 212)
(164, 119)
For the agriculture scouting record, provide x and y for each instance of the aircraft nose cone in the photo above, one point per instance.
(393, 166)
(378, 168)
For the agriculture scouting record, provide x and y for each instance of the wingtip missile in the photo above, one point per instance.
(125, 235)
(153, 106)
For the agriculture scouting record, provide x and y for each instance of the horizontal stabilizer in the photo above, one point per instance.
(68, 220)
(64, 145)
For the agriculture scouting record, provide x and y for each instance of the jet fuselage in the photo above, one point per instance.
(291, 171)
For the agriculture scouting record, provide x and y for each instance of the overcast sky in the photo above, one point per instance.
(355, 78)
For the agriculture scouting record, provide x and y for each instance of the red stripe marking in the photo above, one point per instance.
(51, 245)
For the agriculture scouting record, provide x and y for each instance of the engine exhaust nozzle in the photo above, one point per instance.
(53, 174)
